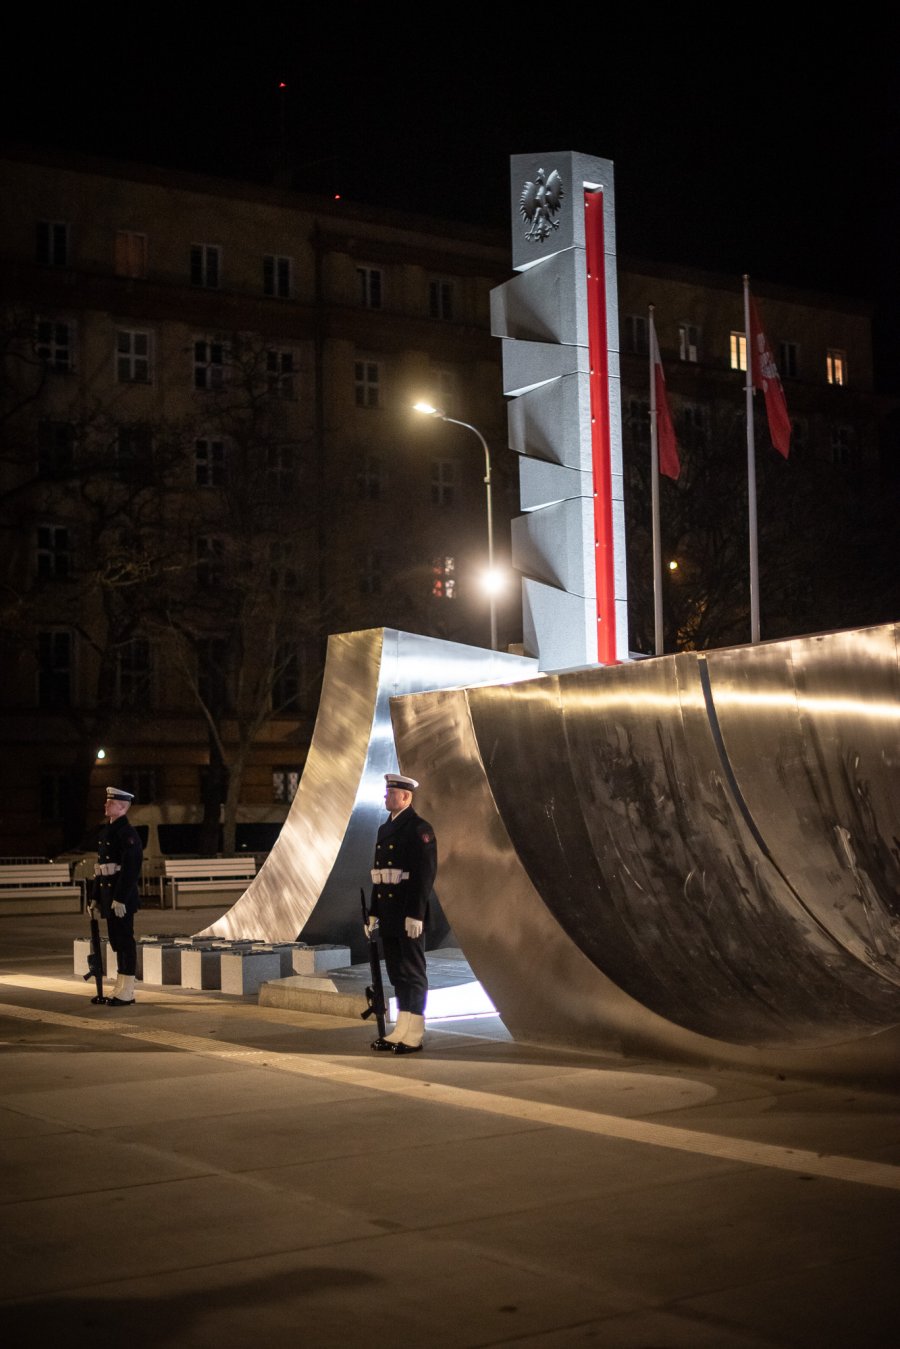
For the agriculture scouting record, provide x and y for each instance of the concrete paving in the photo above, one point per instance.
(201, 1170)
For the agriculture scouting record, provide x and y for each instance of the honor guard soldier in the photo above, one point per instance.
(402, 881)
(115, 894)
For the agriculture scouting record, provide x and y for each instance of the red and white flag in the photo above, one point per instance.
(667, 446)
(764, 375)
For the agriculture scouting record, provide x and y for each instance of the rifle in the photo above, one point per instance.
(95, 957)
(375, 991)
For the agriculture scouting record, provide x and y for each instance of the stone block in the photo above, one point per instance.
(81, 949)
(244, 971)
(201, 967)
(312, 959)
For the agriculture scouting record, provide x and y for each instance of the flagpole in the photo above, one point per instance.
(654, 498)
(751, 473)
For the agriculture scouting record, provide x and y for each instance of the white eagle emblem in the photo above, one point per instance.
(539, 203)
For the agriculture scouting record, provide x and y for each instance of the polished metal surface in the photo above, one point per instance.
(694, 854)
(309, 884)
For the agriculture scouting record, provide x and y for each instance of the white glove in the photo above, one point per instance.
(413, 927)
(371, 927)
(93, 910)
(118, 909)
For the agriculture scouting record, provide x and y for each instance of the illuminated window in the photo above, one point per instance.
(369, 287)
(55, 344)
(688, 342)
(738, 351)
(209, 363)
(788, 353)
(440, 299)
(367, 384)
(205, 259)
(131, 254)
(836, 367)
(52, 243)
(53, 558)
(444, 481)
(285, 782)
(277, 276)
(636, 334)
(133, 356)
(280, 373)
(209, 462)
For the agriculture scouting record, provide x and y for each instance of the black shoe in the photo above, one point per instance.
(97, 1000)
(382, 1044)
(401, 1048)
(119, 1002)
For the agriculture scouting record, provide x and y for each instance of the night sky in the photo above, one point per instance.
(774, 153)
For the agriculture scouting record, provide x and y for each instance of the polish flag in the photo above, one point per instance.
(764, 375)
(667, 446)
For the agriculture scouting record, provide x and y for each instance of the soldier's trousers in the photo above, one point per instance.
(121, 939)
(405, 960)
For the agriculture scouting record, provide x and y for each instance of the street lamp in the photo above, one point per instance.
(492, 580)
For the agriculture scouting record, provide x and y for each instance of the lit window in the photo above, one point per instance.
(369, 287)
(688, 342)
(131, 254)
(277, 276)
(205, 265)
(367, 384)
(285, 782)
(738, 351)
(133, 356)
(836, 367)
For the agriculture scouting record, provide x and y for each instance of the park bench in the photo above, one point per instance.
(39, 887)
(206, 877)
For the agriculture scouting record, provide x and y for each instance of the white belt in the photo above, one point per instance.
(388, 876)
(106, 868)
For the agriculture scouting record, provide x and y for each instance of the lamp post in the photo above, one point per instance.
(430, 411)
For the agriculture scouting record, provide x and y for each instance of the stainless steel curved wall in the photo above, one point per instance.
(696, 853)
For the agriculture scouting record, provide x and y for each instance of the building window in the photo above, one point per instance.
(443, 578)
(143, 783)
(205, 265)
(637, 420)
(370, 576)
(798, 436)
(53, 557)
(788, 360)
(636, 334)
(277, 276)
(133, 356)
(371, 478)
(688, 342)
(134, 450)
(367, 384)
(836, 367)
(284, 573)
(134, 674)
(286, 679)
(369, 287)
(280, 466)
(55, 344)
(212, 673)
(209, 463)
(444, 481)
(692, 418)
(210, 556)
(209, 363)
(56, 795)
(52, 243)
(737, 351)
(131, 254)
(280, 373)
(447, 390)
(285, 782)
(843, 446)
(56, 449)
(440, 299)
(54, 669)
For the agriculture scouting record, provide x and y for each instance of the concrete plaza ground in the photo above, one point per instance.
(200, 1170)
